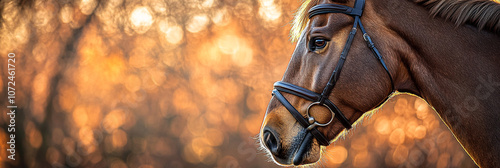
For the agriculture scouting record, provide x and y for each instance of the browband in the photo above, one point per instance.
(335, 8)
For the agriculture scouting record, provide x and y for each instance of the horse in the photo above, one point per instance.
(352, 55)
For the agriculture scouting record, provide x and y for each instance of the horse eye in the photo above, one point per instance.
(317, 44)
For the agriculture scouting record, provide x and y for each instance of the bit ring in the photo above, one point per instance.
(315, 123)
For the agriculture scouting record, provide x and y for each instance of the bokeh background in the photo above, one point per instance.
(175, 83)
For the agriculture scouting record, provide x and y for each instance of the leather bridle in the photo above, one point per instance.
(309, 122)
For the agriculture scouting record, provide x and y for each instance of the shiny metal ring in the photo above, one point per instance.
(315, 122)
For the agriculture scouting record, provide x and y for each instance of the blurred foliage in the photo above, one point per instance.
(175, 83)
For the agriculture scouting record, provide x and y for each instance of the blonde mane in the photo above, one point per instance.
(484, 14)
(301, 19)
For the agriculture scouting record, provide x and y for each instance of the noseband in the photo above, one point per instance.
(322, 99)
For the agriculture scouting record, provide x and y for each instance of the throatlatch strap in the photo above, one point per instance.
(376, 53)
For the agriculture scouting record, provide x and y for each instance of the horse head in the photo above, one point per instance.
(335, 75)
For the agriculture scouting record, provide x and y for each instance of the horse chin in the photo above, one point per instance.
(305, 159)
(308, 158)
(301, 152)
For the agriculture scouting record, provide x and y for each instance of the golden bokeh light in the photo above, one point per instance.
(119, 138)
(383, 126)
(420, 132)
(243, 56)
(362, 159)
(86, 136)
(113, 120)
(214, 137)
(397, 137)
(337, 155)
(173, 32)
(400, 154)
(66, 13)
(221, 17)
(197, 23)
(229, 44)
(33, 135)
(53, 155)
(268, 10)
(80, 116)
(87, 6)
(443, 161)
(141, 19)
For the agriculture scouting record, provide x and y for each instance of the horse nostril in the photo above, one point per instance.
(272, 142)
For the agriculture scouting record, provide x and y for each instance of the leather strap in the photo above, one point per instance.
(376, 53)
(336, 73)
(310, 96)
(335, 8)
(322, 140)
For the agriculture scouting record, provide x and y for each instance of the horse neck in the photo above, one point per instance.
(456, 70)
